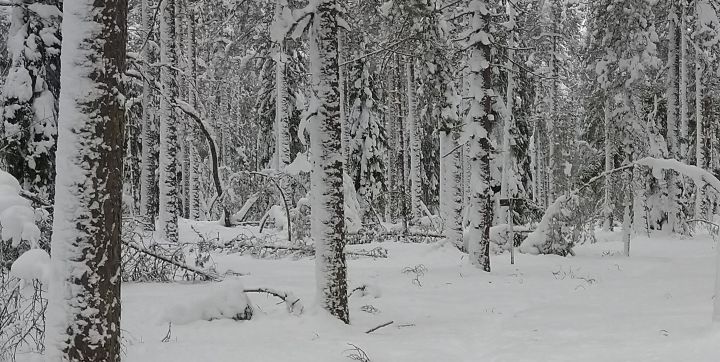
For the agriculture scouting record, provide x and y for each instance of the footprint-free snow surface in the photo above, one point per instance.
(596, 306)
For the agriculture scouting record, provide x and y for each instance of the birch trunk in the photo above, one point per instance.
(168, 214)
(328, 220)
(84, 307)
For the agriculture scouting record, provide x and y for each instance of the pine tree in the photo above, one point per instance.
(84, 310)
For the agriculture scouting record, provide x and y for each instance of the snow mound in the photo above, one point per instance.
(31, 265)
(17, 217)
(301, 164)
(226, 300)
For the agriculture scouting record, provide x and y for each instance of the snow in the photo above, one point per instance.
(17, 217)
(596, 306)
(32, 264)
(224, 300)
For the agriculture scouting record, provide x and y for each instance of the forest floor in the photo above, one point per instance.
(595, 306)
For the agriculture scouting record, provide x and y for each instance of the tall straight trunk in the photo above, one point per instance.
(328, 219)
(84, 307)
(282, 127)
(451, 197)
(683, 95)
(552, 132)
(168, 214)
(341, 85)
(148, 184)
(609, 165)
(415, 152)
(700, 207)
(184, 125)
(673, 180)
(507, 120)
(193, 196)
(391, 196)
(480, 214)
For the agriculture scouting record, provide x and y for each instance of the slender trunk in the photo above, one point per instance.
(683, 88)
(700, 209)
(328, 220)
(148, 185)
(193, 196)
(609, 165)
(168, 126)
(627, 215)
(341, 85)
(673, 180)
(84, 308)
(412, 123)
(507, 121)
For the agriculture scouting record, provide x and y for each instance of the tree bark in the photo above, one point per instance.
(85, 294)
(328, 218)
(168, 213)
(415, 152)
(482, 115)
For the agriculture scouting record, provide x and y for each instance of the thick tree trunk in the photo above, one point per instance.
(480, 214)
(148, 185)
(84, 308)
(328, 220)
(168, 213)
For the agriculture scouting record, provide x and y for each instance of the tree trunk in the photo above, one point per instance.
(674, 223)
(683, 95)
(414, 149)
(451, 198)
(700, 206)
(328, 220)
(609, 165)
(84, 308)
(168, 126)
(480, 214)
(148, 185)
(507, 119)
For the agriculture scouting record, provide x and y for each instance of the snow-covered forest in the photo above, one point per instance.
(369, 180)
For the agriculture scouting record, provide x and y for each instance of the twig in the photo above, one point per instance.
(380, 326)
(173, 262)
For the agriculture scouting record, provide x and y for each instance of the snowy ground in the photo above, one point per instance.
(597, 306)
